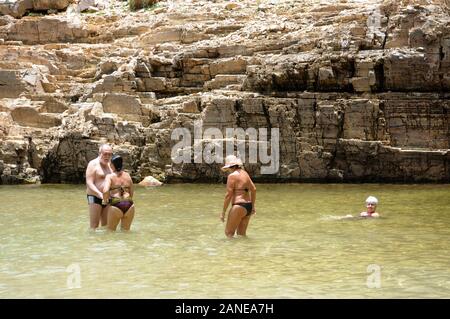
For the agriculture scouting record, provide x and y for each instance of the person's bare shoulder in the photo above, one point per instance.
(234, 175)
(128, 177)
(92, 163)
(91, 167)
(232, 179)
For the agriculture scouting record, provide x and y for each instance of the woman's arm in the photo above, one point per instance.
(253, 196)
(228, 196)
(131, 186)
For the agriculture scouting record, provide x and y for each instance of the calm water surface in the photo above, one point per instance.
(297, 247)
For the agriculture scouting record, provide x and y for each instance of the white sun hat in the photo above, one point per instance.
(232, 160)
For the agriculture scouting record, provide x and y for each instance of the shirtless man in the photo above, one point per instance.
(96, 172)
(241, 192)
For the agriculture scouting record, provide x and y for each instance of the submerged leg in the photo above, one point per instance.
(127, 219)
(104, 216)
(114, 216)
(242, 228)
(95, 211)
(234, 219)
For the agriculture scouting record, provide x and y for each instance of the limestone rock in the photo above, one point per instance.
(50, 4)
(28, 116)
(139, 4)
(84, 5)
(11, 85)
(150, 181)
(357, 91)
(51, 29)
(18, 8)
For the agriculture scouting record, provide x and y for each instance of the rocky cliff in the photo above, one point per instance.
(359, 90)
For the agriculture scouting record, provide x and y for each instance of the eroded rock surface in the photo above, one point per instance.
(359, 90)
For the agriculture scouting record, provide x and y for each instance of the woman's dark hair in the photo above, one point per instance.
(117, 162)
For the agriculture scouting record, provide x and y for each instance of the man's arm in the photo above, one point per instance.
(90, 175)
(106, 188)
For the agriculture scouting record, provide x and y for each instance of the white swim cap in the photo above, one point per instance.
(372, 200)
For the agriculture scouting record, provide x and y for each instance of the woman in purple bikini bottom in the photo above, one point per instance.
(118, 193)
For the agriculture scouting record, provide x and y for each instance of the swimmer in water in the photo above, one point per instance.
(371, 204)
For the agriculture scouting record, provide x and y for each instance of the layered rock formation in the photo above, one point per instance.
(359, 90)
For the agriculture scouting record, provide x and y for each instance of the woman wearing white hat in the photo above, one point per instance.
(241, 192)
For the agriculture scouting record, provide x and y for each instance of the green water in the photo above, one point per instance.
(296, 246)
